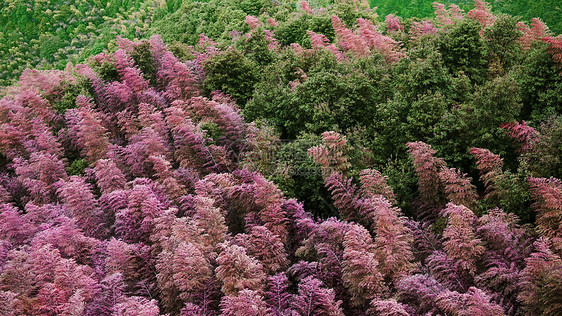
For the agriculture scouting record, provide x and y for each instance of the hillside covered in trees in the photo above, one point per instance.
(273, 158)
(50, 34)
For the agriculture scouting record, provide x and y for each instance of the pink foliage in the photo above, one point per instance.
(427, 168)
(14, 228)
(490, 167)
(536, 32)
(119, 257)
(361, 271)
(57, 280)
(137, 306)
(348, 40)
(142, 145)
(392, 238)
(547, 194)
(135, 223)
(273, 43)
(393, 23)
(332, 154)
(313, 299)
(11, 140)
(263, 245)
(442, 15)
(373, 183)
(473, 302)
(325, 244)
(4, 195)
(419, 29)
(183, 272)
(125, 44)
(521, 133)
(39, 175)
(164, 172)
(12, 304)
(458, 187)
(81, 203)
(555, 47)
(277, 296)
(461, 242)
(456, 12)
(92, 136)
(130, 74)
(387, 307)
(238, 271)
(114, 96)
(541, 280)
(178, 78)
(502, 232)
(192, 146)
(421, 291)
(225, 114)
(305, 7)
(109, 176)
(210, 49)
(319, 41)
(252, 21)
(210, 225)
(343, 194)
(48, 82)
(482, 13)
(32, 104)
(44, 140)
(386, 46)
(246, 303)
(297, 48)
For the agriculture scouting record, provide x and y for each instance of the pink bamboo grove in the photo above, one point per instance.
(165, 219)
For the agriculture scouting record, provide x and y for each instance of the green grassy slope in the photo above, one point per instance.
(50, 33)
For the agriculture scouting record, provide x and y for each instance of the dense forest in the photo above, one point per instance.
(48, 34)
(277, 158)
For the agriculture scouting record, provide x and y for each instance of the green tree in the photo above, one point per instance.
(501, 42)
(232, 73)
(541, 85)
(462, 49)
(477, 123)
(50, 45)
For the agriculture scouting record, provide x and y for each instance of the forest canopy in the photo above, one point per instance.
(49, 34)
(277, 158)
